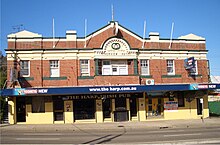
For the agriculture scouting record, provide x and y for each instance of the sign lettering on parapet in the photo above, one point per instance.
(98, 96)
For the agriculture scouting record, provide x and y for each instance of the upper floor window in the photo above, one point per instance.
(170, 67)
(54, 68)
(24, 68)
(145, 67)
(84, 67)
(194, 70)
(114, 67)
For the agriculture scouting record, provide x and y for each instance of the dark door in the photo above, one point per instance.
(58, 107)
(21, 109)
(133, 107)
(121, 113)
(199, 106)
(106, 103)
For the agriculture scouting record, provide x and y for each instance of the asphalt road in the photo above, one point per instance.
(122, 135)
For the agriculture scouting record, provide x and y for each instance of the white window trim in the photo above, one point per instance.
(115, 65)
(148, 69)
(173, 73)
(29, 68)
(57, 68)
(88, 67)
(196, 73)
(106, 67)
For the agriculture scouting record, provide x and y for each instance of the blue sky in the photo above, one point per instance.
(201, 17)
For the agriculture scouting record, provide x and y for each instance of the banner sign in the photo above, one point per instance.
(189, 63)
(171, 106)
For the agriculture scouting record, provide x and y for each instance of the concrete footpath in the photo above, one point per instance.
(155, 124)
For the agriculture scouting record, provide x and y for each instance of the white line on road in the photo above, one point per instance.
(182, 134)
(166, 131)
(37, 138)
(184, 142)
(42, 133)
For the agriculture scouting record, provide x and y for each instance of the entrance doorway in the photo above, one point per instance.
(84, 109)
(106, 103)
(199, 102)
(121, 113)
(58, 106)
(21, 109)
(154, 106)
(133, 107)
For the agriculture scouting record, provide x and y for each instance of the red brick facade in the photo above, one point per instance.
(70, 69)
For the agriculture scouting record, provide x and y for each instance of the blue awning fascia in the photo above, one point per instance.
(105, 89)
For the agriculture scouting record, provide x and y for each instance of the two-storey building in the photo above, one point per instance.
(110, 75)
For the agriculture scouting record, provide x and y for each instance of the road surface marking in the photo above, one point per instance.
(182, 134)
(37, 138)
(42, 134)
(160, 131)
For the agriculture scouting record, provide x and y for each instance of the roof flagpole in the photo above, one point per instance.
(144, 33)
(53, 35)
(171, 35)
(112, 13)
(85, 32)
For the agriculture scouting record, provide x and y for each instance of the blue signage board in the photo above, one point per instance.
(189, 63)
(105, 89)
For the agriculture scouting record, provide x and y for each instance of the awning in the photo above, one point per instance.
(105, 89)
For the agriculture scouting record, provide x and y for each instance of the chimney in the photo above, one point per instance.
(154, 36)
(71, 35)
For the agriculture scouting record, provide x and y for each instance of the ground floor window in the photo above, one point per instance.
(181, 101)
(154, 106)
(38, 105)
(84, 109)
(120, 104)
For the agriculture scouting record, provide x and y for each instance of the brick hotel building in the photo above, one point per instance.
(110, 75)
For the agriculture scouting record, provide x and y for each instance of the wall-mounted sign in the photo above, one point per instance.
(171, 106)
(189, 63)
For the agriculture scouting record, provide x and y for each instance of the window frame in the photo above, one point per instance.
(181, 100)
(42, 108)
(88, 65)
(148, 66)
(169, 66)
(28, 68)
(115, 67)
(58, 68)
(192, 73)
